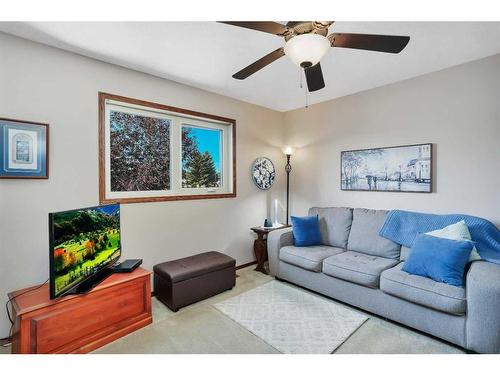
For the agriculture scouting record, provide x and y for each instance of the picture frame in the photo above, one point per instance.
(24, 149)
(263, 173)
(405, 169)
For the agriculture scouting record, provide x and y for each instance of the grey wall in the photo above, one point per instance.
(44, 84)
(457, 109)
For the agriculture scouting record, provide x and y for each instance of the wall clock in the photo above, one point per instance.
(263, 173)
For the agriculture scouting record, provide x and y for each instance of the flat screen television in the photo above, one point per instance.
(84, 243)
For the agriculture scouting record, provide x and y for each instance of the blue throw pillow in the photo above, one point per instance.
(306, 231)
(441, 259)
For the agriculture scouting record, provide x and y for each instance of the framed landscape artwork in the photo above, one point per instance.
(24, 149)
(394, 169)
(153, 152)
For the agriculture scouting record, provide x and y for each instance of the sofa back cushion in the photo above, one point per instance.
(364, 236)
(335, 224)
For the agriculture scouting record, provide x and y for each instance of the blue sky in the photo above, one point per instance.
(209, 140)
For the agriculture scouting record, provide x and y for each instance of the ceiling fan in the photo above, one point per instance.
(306, 42)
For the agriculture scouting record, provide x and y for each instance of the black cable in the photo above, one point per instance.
(9, 338)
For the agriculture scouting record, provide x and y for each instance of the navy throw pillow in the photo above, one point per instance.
(440, 259)
(306, 231)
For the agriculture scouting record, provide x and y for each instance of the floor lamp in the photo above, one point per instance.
(288, 151)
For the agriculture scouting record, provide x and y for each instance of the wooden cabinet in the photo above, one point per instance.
(81, 323)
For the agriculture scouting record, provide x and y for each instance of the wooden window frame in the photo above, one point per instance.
(181, 112)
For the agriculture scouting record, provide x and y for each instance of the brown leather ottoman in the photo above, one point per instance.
(181, 282)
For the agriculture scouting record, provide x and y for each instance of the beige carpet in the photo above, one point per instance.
(200, 328)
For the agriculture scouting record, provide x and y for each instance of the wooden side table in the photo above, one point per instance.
(260, 245)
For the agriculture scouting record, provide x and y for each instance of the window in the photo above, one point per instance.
(139, 152)
(201, 157)
(152, 152)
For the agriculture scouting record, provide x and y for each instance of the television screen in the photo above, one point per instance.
(82, 243)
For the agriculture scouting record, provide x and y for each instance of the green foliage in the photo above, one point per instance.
(198, 170)
(58, 263)
(189, 144)
(69, 226)
(82, 259)
(201, 171)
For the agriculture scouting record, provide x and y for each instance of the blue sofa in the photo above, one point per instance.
(357, 266)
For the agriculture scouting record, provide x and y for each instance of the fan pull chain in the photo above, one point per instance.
(305, 92)
(302, 86)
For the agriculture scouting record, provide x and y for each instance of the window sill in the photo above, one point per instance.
(169, 198)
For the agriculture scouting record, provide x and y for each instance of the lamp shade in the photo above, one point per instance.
(307, 48)
(288, 150)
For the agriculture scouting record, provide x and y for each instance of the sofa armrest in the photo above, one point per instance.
(275, 241)
(483, 307)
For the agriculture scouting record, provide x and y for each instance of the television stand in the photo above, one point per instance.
(81, 323)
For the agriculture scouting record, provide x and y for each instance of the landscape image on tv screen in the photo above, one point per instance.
(83, 242)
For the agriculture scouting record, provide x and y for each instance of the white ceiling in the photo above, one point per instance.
(206, 54)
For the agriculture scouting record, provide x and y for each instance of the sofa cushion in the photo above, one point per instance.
(306, 231)
(364, 236)
(457, 231)
(310, 258)
(438, 258)
(357, 267)
(335, 224)
(424, 291)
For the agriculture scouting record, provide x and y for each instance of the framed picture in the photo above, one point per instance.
(395, 169)
(263, 173)
(24, 149)
(152, 152)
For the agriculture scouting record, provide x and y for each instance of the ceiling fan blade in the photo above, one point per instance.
(264, 26)
(380, 43)
(259, 64)
(314, 77)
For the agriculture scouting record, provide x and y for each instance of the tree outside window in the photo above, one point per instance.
(140, 152)
(201, 157)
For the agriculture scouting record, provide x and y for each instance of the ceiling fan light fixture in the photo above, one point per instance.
(307, 48)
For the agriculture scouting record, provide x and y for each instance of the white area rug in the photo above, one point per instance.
(292, 320)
